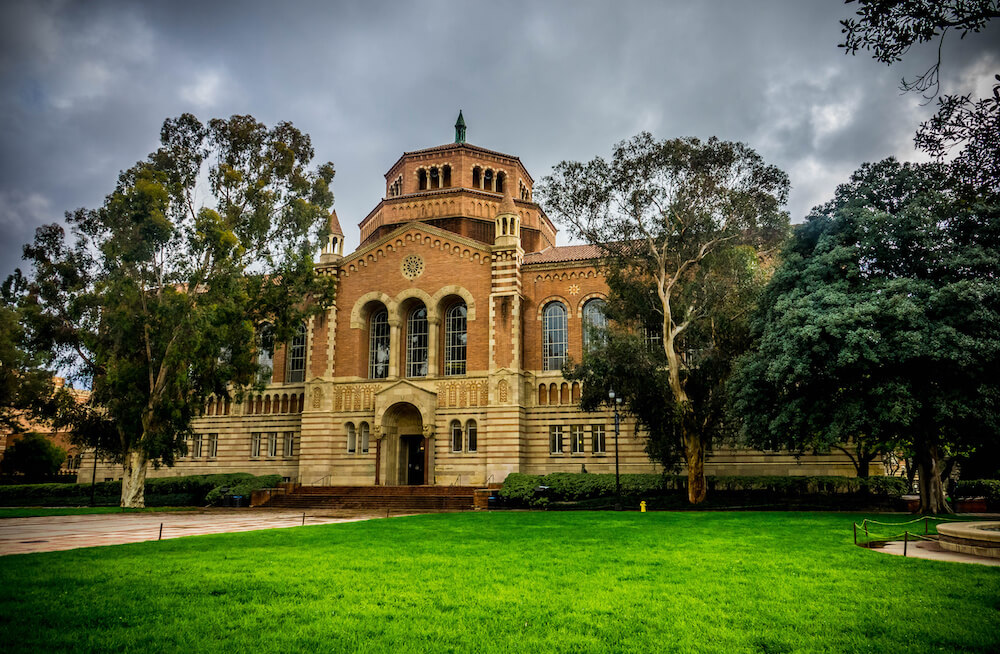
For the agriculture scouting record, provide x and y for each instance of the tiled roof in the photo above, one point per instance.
(564, 253)
(335, 224)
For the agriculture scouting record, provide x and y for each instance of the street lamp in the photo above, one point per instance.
(615, 403)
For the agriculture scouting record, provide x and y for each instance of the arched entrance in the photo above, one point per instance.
(403, 449)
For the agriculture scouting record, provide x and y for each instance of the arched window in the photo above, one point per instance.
(265, 354)
(477, 177)
(378, 345)
(456, 436)
(501, 178)
(422, 180)
(352, 438)
(364, 437)
(554, 336)
(297, 356)
(455, 338)
(472, 435)
(488, 180)
(416, 343)
(594, 324)
(446, 176)
(435, 178)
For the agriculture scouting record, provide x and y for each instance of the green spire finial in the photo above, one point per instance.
(460, 128)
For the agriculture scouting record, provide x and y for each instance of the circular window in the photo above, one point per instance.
(413, 266)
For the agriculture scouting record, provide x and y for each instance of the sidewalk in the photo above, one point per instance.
(66, 532)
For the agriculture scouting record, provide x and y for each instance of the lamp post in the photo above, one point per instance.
(615, 402)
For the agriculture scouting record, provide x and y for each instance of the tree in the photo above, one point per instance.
(25, 384)
(158, 301)
(882, 326)
(889, 28)
(672, 218)
(33, 455)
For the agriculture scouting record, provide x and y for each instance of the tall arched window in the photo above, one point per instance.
(352, 438)
(416, 343)
(364, 437)
(378, 345)
(488, 180)
(501, 178)
(594, 324)
(456, 436)
(297, 356)
(472, 435)
(265, 353)
(455, 339)
(554, 336)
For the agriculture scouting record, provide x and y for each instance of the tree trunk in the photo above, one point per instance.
(862, 466)
(931, 488)
(694, 452)
(134, 480)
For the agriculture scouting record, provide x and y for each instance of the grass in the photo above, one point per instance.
(505, 582)
(34, 512)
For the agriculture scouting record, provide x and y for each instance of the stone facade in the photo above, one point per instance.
(379, 390)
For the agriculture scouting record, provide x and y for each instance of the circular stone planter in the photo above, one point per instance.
(978, 538)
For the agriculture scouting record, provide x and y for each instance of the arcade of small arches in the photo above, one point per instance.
(553, 394)
(432, 178)
(267, 403)
(488, 179)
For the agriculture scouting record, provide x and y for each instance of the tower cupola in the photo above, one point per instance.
(507, 229)
(334, 248)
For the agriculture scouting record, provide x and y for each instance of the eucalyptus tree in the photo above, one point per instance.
(680, 223)
(157, 299)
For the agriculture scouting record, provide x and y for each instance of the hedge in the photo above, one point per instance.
(988, 488)
(160, 491)
(541, 490)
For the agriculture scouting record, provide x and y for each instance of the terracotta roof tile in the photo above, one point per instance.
(563, 253)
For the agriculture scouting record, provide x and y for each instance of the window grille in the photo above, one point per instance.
(555, 439)
(595, 324)
(416, 343)
(378, 345)
(597, 445)
(554, 336)
(455, 339)
(472, 435)
(297, 356)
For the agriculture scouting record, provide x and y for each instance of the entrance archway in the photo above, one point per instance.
(403, 449)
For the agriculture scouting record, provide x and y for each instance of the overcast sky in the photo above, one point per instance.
(85, 86)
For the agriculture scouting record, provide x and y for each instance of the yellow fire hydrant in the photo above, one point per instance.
(642, 506)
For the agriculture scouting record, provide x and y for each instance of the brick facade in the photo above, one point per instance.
(457, 226)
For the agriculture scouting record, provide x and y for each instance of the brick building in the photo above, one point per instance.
(440, 361)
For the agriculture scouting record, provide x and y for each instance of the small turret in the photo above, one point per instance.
(460, 128)
(507, 233)
(334, 249)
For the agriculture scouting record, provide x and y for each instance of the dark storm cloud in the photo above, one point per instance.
(85, 87)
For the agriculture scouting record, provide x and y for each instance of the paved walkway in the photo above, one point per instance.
(924, 549)
(66, 532)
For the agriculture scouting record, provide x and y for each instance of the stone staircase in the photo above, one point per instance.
(395, 498)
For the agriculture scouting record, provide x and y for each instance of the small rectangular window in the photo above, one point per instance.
(555, 439)
(255, 444)
(196, 446)
(597, 439)
(576, 439)
(473, 436)
(213, 445)
(288, 444)
(272, 444)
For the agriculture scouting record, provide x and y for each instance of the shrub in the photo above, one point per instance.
(244, 487)
(988, 488)
(32, 455)
(536, 490)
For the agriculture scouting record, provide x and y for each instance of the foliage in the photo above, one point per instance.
(157, 302)
(25, 384)
(882, 325)
(680, 224)
(541, 490)
(988, 488)
(192, 490)
(889, 29)
(490, 582)
(32, 455)
(243, 487)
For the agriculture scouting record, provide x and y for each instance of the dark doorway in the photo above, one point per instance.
(414, 459)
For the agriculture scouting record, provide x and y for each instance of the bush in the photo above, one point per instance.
(988, 488)
(242, 487)
(537, 490)
(32, 455)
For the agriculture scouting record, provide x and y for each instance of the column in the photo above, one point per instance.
(394, 354)
(433, 338)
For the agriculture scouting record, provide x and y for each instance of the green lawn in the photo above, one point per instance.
(34, 511)
(504, 582)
